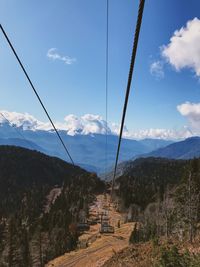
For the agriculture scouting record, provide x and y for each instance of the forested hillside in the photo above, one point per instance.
(163, 199)
(146, 179)
(186, 149)
(31, 234)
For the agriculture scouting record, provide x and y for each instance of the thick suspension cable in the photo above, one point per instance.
(133, 56)
(17, 131)
(106, 83)
(36, 93)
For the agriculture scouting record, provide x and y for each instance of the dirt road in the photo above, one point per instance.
(103, 247)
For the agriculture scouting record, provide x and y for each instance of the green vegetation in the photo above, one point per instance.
(146, 179)
(171, 257)
(29, 235)
(164, 197)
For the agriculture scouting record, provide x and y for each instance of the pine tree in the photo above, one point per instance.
(12, 254)
(26, 256)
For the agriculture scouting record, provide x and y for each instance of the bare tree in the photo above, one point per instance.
(168, 211)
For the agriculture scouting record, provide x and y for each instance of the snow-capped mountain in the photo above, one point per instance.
(73, 125)
(84, 137)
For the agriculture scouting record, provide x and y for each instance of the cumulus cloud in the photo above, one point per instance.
(157, 133)
(183, 50)
(94, 124)
(115, 129)
(53, 54)
(167, 134)
(156, 69)
(191, 111)
(23, 120)
(86, 124)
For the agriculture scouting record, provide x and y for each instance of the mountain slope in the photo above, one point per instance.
(26, 180)
(21, 143)
(154, 144)
(187, 149)
(162, 196)
(146, 178)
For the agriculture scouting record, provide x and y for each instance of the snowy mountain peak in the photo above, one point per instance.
(86, 124)
(73, 125)
(90, 124)
(24, 121)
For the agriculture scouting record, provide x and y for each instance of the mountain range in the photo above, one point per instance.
(86, 141)
(87, 148)
(186, 149)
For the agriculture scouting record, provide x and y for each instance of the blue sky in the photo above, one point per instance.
(77, 30)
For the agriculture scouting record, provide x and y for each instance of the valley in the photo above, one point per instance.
(45, 202)
(100, 247)
(100, 133)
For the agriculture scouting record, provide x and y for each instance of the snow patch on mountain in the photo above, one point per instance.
(87, 124)
(90, 124)
(19, 120)
(73, 125)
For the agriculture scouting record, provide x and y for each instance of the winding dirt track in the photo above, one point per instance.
(100, 250)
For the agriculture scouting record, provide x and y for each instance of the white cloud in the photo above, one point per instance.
(167, 134)
(94, 124)
(183, 51)
(26, 121)
(115, 129)
(86, 124)
(191, 111)
(156, 69)
(54, 55)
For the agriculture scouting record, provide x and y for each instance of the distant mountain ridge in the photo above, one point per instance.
(21, 143)
(186, 149)
(87, 150)
(86, 147)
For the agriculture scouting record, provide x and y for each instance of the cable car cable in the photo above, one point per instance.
(36, 93)
(133, 56)
(106, 83)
